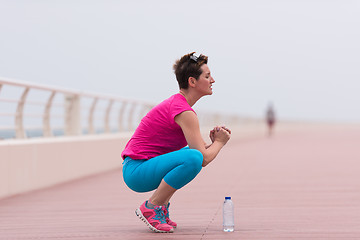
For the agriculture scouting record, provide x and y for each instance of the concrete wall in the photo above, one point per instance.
(31, 164)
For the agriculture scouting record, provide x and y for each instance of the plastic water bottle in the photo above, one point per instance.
(228, 215)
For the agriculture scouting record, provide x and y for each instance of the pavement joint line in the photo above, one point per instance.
(211, 221)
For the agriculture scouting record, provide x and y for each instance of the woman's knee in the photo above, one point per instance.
(195, 159)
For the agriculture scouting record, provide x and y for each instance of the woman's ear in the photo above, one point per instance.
(192, 81)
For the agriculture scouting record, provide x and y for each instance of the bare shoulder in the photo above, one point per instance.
(186, 118)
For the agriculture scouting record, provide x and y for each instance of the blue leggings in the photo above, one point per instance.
(177, 169)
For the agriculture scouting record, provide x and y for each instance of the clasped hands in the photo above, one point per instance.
(221, 134)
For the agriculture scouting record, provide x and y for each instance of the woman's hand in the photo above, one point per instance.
(221, 134)
(217, 128)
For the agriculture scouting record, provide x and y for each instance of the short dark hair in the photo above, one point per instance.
(188, 66)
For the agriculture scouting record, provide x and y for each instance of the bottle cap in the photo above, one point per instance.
(227, 198)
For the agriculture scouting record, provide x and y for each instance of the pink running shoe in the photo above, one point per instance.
(166, 212)
(154, 218)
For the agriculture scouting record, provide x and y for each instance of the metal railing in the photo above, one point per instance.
(44, 111)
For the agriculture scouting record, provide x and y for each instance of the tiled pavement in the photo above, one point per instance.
(297, 185)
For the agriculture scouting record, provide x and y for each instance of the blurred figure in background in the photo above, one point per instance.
(270, 119)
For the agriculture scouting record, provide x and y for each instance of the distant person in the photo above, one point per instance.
(156, 156)
(270, 119)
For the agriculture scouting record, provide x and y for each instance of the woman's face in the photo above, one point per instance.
(205, 81)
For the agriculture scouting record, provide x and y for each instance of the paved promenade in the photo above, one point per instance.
(301, 184)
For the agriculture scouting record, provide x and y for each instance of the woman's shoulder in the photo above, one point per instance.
(175, 100)
(174, 104)
(170, 99)
(178, 99)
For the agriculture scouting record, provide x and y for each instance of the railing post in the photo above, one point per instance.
(46, 119)
(107, 116)
(19, 124)
(131, 117)
(121, 116)
(143, 111)
(91, 116)
(72, 115)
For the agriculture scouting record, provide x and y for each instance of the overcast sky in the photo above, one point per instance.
(304, 56)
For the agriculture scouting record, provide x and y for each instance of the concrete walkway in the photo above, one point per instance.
(301, 184)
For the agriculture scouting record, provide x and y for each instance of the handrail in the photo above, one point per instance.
(126, 112)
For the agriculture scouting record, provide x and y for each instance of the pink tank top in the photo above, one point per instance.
(158, 133)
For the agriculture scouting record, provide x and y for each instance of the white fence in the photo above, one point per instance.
(56, 111)
(33, 110)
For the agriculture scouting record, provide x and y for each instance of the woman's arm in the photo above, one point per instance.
(189, 124)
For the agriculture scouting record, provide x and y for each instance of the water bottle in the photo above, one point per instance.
(228, 215)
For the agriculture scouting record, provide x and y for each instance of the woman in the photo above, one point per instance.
(156, 157)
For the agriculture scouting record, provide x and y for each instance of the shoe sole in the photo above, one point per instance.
(152, 228)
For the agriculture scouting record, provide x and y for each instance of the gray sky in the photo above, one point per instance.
(303, 55)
